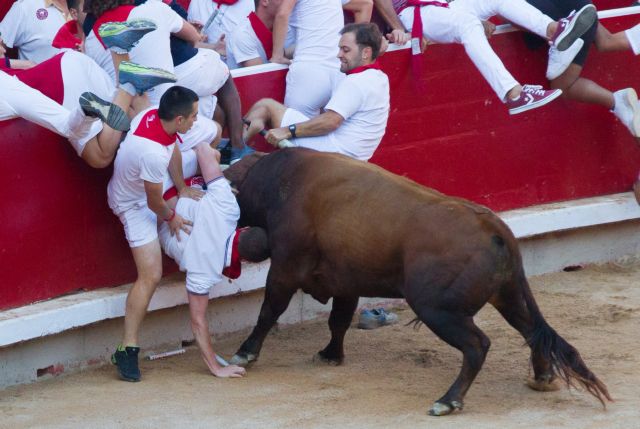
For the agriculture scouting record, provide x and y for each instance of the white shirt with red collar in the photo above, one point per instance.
(143, 156)
(362, 99)
(30, 26)
(252, 40)
(317, 25)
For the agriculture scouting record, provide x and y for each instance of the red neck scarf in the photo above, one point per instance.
(67, 36)
(374, 65)
(416, 30)
(263, 33)
(118, 14)
(225, 2)
(150, 127)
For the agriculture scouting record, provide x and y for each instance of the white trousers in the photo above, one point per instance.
(204, 74)
(461, 23)
(309, 86)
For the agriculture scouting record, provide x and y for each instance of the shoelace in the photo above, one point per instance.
(533, 89)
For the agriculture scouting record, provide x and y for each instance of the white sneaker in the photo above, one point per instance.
(627, 110)
(559, 61)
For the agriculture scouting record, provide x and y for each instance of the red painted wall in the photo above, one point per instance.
(59, 236)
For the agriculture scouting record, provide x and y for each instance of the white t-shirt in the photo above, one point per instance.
(153, 50)
(31, 27)
(225, 22)
(244, 44)
(317, 25)
(205, 252)
(139, 159)
(362, 99)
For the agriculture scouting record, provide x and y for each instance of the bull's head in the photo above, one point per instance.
(237, 172)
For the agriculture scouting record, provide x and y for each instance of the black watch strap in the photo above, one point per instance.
(292, 130)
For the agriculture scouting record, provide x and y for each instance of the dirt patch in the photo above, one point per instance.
(390, 376)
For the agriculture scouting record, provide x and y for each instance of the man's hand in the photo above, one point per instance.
(189, 192)
(231, 371)
(274, 135)
(489, 28)
(280, 59)
(177, 224)
(398, 36)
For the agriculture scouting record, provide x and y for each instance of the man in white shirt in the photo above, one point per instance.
(354, 119)
(31, 25)
(146, 156)
(220, 19)
(314, 71)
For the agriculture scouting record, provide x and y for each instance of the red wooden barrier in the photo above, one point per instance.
(59, 236)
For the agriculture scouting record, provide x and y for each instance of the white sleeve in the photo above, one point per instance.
(173, 20)
(244, 46)
(10, 27)
(346, 99)
(153, 168)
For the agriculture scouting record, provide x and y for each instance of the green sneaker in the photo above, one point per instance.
(143, 78)
(126, 359)
(109, 113)
(120, 37)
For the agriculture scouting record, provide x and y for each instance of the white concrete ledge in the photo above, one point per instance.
(81, 309)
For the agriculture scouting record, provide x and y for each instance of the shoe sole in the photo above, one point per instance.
(143, 79)
(631, 97)
(109, 113)
(558, 74)
(579, 25)
(535, 105)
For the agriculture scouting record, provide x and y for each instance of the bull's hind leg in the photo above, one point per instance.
(339, 321)
(460, 332)
(276, 300)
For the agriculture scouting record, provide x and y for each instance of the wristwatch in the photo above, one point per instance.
(292, 130)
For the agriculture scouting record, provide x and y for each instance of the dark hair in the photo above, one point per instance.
(177, 101)
(98, 7)
(73, 4)
(367, 35)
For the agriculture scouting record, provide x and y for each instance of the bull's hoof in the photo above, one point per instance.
(442, 409)
(544, 384)
(321, 357)
(243, 359)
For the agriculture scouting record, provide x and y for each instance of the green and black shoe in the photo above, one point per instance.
(109, 113)
(126, 359)
(120, 37)
(143, 78)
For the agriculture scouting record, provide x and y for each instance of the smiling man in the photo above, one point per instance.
(354, 119)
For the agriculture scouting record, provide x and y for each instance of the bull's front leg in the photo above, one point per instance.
(339, 321)
(276, 300)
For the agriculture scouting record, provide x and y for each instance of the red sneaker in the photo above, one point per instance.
(234, 269)
(531, 97)
(573, 26)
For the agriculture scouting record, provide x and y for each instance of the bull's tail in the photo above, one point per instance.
(564, 359)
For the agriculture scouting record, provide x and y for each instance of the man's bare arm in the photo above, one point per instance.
(280, 28)
(321, 125)
(361, 10)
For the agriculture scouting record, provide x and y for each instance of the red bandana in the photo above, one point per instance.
(374, 65)
(67, 36)
(225, 2)
(263, 33)
(189, 181)
(416, 30)
(46, 77)
(118, 14)
(150, 127)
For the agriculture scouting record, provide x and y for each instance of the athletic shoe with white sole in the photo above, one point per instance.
(143, 78)
(120, 37)
(371, 319)
(573, 26)
(238, 154)
(627, 110)
(559, 61)
(532, 97)
(107, 112)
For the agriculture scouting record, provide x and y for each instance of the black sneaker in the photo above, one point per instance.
(225, 151)
(109, 113)
(127, 362)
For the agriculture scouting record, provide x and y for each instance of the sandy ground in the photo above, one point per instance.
(390, 377)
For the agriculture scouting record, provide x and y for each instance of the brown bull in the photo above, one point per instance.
(342, 229)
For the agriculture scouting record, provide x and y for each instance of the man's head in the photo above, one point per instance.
(179, 108)
(98, 7)
(359, 45)
(76, 9)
